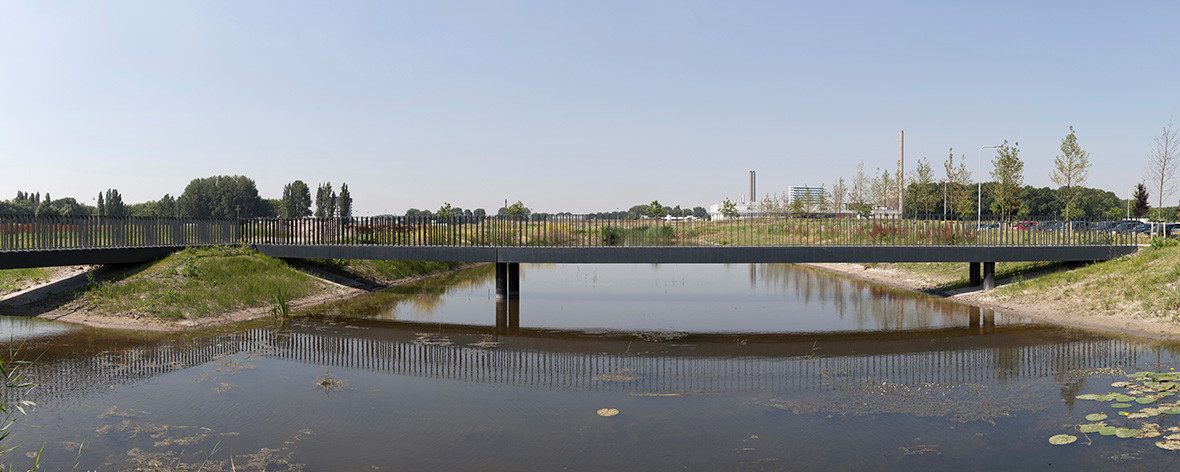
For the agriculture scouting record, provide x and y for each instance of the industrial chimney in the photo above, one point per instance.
(753, 192)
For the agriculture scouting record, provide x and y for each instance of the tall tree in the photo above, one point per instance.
(44, 209)
(1070, 170)
(881, 189)
(325, 201)
(114, 204)
(1140, 206)
(166, 207)
(839, 195)
(223, 196)
(966, 183)
(729, 209)
(1161, 165)
(296, 201)
(516, 210)
(655, 210)
(859, 195)
(923, 194)
(345, 201)
(1008, 172)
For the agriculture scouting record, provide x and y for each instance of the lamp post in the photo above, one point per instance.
(979, 196)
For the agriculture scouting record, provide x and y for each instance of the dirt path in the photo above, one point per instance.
(1040, 308)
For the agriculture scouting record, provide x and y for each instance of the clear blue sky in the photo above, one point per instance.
(567, 106)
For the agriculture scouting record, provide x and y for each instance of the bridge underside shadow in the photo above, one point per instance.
(94, 256)
(700, 254)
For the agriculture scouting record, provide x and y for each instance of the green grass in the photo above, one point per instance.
(199, 282)
(1145, 284)
(952, 275)
(12, 280)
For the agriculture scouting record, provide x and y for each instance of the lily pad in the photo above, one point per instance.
(1126, 432)
(1171, 411)
(1120, 405)
(1107, 430)
(1123, 398)
(1062, 439)
(1144, 400)
(1169, 445)
(1091, 427)
(1120, 384)
(1138, 375)
(1095, 416)
(608, 412)
(1088, 396)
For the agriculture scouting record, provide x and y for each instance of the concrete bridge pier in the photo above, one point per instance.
(989, 275)
(507, 280)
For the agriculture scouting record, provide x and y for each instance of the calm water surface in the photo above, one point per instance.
(711, 368)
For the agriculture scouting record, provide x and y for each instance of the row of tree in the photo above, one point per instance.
(211, 197)
(296, 201)
(955, 193)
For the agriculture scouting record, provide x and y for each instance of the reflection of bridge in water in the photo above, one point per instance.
(560, 361)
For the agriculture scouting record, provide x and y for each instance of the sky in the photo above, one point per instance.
(568, 106)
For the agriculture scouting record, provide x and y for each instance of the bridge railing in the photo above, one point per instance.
(752, 230)
(21, 233)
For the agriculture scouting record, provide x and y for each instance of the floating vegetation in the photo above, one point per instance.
(431, 339)
(1062, 439)
(608, 412)
(1146, 388)
(964, 402)
(329, 383)
(621, 375)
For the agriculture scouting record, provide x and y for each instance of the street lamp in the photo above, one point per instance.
(979, 197)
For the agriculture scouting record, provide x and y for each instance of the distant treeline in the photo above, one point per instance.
(220, 196)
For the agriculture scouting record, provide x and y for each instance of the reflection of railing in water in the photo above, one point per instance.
(399, 352)
(606, 371)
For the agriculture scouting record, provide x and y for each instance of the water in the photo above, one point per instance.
(711, 367)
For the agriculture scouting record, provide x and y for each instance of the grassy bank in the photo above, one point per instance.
(1142, 285)
(199, 282)
(13, 280)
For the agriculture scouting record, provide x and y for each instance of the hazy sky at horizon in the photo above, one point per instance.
(567, 106)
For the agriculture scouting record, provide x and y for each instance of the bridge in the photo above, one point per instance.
(571, 239)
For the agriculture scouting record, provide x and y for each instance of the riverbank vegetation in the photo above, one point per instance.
(1142, 285)
(199, 282)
